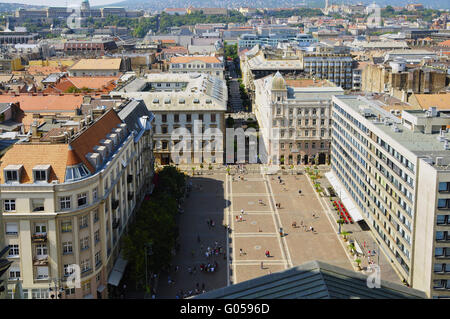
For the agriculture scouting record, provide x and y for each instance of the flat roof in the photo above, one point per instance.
(416, 142)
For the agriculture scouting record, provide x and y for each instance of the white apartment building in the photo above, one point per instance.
(300, 110)
(396, 174)
(207, 64)
(178, 101)
(69, 202)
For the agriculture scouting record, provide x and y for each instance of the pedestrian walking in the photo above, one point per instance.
(240, 217)
(262, 265)
(299, 191)
(242, 212)
(190, 270)
(294, 224)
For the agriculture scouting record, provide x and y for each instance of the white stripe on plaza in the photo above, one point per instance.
(256, 235)
(277, 221)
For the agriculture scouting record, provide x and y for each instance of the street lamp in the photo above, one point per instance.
(57, 290)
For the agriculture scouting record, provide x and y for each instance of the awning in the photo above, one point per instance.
(100, 288)
(117, 272)
(344, 196)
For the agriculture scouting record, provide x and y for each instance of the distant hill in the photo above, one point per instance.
(160, 5)
(11, 7)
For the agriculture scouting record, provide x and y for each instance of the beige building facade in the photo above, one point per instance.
(298, 111)
(70, 203)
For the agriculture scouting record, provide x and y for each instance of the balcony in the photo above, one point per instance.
(39, 237)
(116, 223)
(114, 204)
(129, 178)
(40, 261)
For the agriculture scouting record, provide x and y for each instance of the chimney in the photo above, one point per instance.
(34, 132)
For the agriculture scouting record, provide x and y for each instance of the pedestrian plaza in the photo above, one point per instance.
(244, 238)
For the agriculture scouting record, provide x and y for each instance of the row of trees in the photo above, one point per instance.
(155, 228)
(303, 12)
(166, 21)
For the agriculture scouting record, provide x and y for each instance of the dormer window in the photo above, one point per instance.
(41, 173)
(12, 176)
(196, 101)
(12, 173)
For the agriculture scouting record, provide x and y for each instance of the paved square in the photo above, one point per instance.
(221, 197)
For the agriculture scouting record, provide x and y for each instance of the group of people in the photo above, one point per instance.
(210, 267)
(189, 293)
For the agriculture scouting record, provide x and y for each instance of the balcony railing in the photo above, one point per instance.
(39, 237)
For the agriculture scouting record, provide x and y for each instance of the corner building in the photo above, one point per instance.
(69, 202)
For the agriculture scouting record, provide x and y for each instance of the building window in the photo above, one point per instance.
(68, 271)
(14, 273)
(444, 187)
(11, 176)
(97, 236)
(13, 251)
(85, 265)
(12, 229)
(83, 221)
(443, 203)
(200, 117)
(213, 117)
(84, 243)
(40, 229)
(66, 226)
(67, 247)
(40, 175)
(188, 118)
(164, 118)
(164, 129)
(313, 145)
(10, 205)
(98, 258)
(41, 293)
(95, 194)
(82, 199)
(176, 118)
(41, 250)
(96, 216)
(64, 202)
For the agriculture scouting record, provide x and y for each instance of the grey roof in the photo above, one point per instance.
(313, 280)
(4, 107)
(133, 112)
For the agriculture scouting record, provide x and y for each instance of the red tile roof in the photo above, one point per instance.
(85, 142)
(44, 103)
